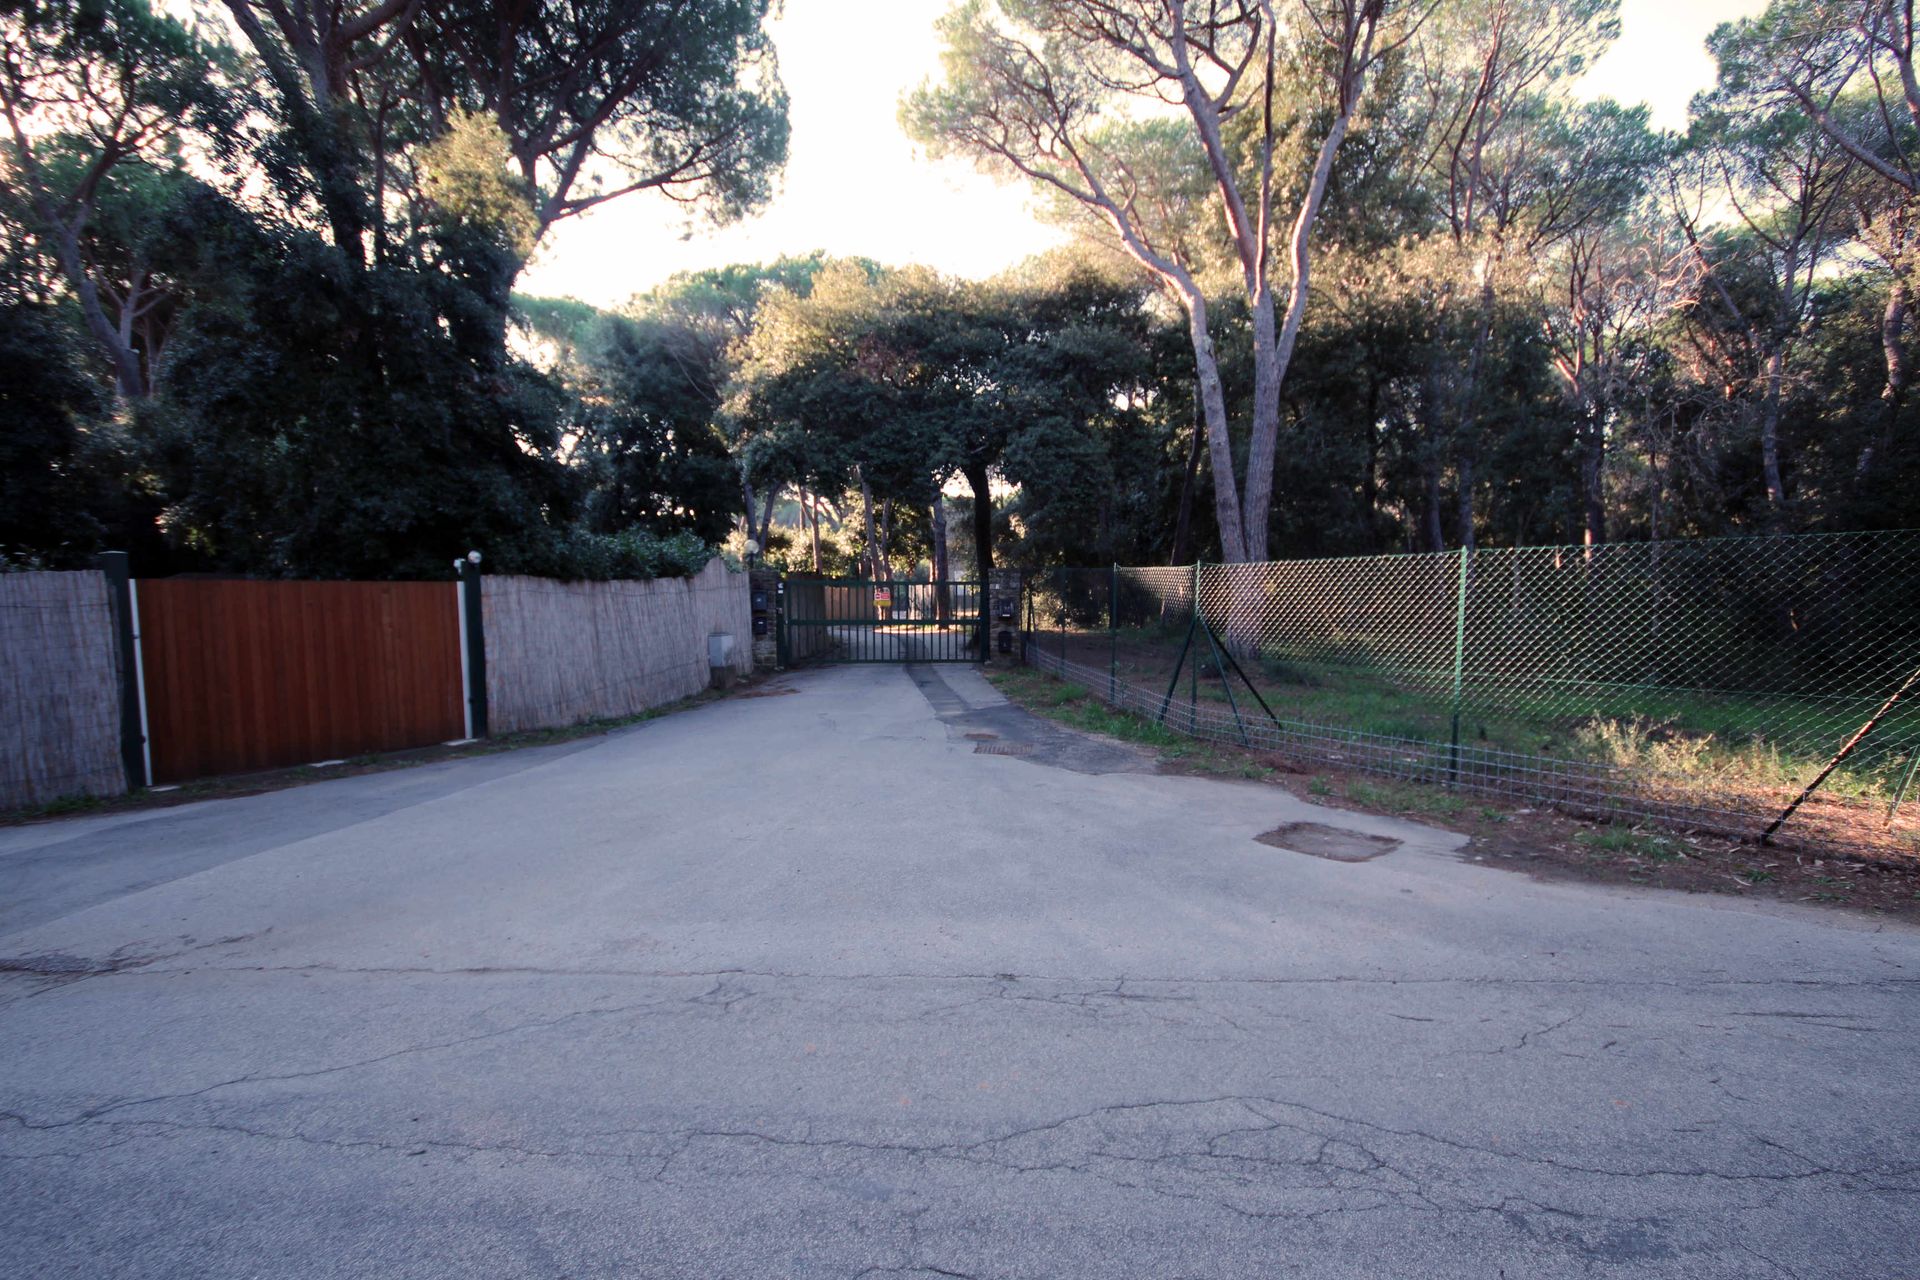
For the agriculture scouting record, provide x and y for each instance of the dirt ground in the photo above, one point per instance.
(1556, 846)
(1834, 817)
(1536, 840)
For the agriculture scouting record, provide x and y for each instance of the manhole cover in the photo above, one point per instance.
(1003, 748)
(1327, 842)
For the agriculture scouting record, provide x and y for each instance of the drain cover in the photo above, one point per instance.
(1003, 748)
(1327, 842)
(981, 735)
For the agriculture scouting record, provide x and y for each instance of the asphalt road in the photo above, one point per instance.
(810, 985)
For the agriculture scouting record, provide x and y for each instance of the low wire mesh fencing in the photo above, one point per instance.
(1705, 683)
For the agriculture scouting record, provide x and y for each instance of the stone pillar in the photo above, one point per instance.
(763, 585)
(1006, 615)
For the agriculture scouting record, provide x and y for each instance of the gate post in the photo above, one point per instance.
(126, 642)
(473, 644)
(1001, 623)
(769, 637)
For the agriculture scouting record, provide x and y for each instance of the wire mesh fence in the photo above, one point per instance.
(1705, 683)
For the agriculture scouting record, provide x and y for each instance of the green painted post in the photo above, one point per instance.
(1459, 656)
(1906, 780)
(1193, 672)
(1173, 682)
(1062, 616)
(1026, 634)
(133, 737)
(783, 648)
(473, 632)
(1220, 665)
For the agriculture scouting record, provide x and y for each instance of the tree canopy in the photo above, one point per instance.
(1344, 276)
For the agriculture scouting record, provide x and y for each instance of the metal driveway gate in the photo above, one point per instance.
(860, 620)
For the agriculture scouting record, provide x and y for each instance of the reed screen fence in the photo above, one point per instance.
(1704, 683)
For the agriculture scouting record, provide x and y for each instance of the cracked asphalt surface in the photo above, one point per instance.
(811, 985)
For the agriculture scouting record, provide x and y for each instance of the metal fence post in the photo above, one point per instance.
(1193, 672)
(783, 651)
(1026, 632)
(1113, 635)
(1061, 616)
(1459, 655)
(1906, 781)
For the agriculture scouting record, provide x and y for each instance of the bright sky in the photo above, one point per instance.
(855, 185)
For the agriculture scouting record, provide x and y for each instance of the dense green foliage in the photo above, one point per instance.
(255, 301)
(257, 309)
(1529, 318)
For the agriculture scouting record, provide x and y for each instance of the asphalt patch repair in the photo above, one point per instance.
(1327, 842)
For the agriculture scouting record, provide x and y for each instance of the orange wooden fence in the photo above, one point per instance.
(257, 675)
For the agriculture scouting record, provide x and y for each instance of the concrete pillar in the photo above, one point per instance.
(764, 587)
(1006, 615)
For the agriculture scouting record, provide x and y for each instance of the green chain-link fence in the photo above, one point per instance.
(1706, 683)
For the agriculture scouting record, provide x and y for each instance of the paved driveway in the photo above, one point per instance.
(807, 985)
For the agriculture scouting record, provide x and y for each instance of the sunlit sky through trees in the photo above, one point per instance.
(855, 185)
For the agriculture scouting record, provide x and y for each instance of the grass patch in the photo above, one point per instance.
(1753, 742)
(1631, 842)
(1075, 706)
(1404, 797)
(65, 806)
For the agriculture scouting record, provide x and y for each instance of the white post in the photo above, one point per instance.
(140, 677)
(466, 677)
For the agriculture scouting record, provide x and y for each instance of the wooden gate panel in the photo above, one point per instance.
(243, 676)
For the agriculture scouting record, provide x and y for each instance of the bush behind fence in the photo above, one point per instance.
(1704, 682)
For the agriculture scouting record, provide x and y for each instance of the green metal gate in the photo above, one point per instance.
(861, 620)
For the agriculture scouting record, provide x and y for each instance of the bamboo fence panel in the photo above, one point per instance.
(59, 689)
(559, 653)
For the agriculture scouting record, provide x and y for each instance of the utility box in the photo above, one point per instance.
(764, 596)
(720, 659)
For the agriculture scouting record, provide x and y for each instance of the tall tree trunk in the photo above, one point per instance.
(1893, 323)
(1262, 449)
(1430, 478)
(1183, 522)
(129, 380)
(1466, 431)
(1464, 464)
(1593, 474)
(942, 607)
(872, 555)
(766, 517)
(1213, 402)
(1256, 504)
(1770, 441)
(1370, 478)
(813, 525)
(976, 474)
